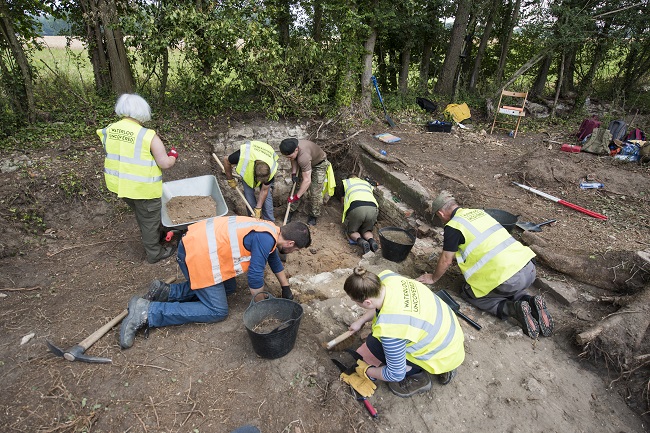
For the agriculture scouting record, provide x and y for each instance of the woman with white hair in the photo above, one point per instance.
(135, 158)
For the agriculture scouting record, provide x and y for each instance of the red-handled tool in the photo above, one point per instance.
(349, 370)
(563, 202)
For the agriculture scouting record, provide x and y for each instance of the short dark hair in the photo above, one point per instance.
(297, 232)
(362, 284)
(288, 146)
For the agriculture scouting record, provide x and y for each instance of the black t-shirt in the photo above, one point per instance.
(452, 238)
(233, 159)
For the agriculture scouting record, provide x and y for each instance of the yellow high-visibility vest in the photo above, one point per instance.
(414, 313)
(489, 255)
(356, 190)
(250, 152)
(129, 167)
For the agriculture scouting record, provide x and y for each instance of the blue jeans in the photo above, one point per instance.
(267, 207)
(206, 305)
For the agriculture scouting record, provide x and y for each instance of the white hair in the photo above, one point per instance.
(134, 106)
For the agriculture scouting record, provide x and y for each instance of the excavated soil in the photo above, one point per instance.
(71, 258)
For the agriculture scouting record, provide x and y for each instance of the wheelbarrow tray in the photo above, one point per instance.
(194, 186)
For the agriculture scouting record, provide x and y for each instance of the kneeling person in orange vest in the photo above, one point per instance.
(210, 255)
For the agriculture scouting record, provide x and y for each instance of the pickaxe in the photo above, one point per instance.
(77, 352)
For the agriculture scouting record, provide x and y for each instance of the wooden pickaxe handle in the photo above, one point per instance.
(286, 214)
(250, 209)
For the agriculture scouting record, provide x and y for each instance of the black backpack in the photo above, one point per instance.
(427, 105)
(618, 128)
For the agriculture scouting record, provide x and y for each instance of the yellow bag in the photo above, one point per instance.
(458, 112)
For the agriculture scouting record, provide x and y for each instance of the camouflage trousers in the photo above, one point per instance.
(318, 176)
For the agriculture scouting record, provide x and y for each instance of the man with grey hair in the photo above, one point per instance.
(497, 268)
(135, 158)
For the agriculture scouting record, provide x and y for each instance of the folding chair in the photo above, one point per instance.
(503, 114)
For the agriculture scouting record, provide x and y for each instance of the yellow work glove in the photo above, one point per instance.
(361, 384)
(258, 212)
(232, 183)
(362, 367)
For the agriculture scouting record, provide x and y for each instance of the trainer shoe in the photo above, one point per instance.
(541, 314)
(525, 318)
(364, 244)
(136, 319)
(411, 385)
(445, 378)
(158, 292)
(374, 246)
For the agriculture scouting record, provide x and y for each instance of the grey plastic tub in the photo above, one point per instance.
(194, 186)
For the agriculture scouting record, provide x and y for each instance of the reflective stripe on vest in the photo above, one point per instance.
(215, 249)
(489, 255)
(413, 313)
(129, 167)
(356, 190)
(250, 152)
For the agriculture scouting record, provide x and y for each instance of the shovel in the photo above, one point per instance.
(531, 227)
(388, 119)
(455, 307)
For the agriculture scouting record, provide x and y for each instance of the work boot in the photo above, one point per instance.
(365, 246)
(445, 378)
(411, 385)
(158, 291)
(290, 216)
(374, 246)
(541, 314)
(523, 315)
(136, 319)
(166, 252)
(312, 220)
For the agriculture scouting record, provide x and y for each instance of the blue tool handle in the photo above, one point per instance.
(374, 81)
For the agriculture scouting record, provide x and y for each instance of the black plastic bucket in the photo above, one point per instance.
(395, 251)
(279, 341)
(506, 219)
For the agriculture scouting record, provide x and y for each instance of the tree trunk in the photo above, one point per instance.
(317, 29)
(487, 32)
(283, 21)
(568, 86)
(584, 88)
(542, 76)
(121, 75)
(27, 105)
(424, 66)
(164, 75)
(445, 84)
(405, 62)
(366, 87)
(505, 46)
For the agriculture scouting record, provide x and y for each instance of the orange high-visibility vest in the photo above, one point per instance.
(215, 249)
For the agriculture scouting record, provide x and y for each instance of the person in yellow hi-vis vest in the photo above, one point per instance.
(135, 158)
(497, 268)
(414, 334)
(360, 211)
(257, 163)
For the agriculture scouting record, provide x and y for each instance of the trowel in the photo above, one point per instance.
(532, 227)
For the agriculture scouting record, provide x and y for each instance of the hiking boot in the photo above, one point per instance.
(445, 378)
(136, 319)
(374, 246)
(364, 244)
(541, 314)
(525, 318)
(158, 292)
(166, 252)
(312, 220)
(411, 385)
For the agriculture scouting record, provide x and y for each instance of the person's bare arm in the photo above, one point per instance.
(444, 261)
(159, 154)
(227, 166)
(264, 192)
(304, 184)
